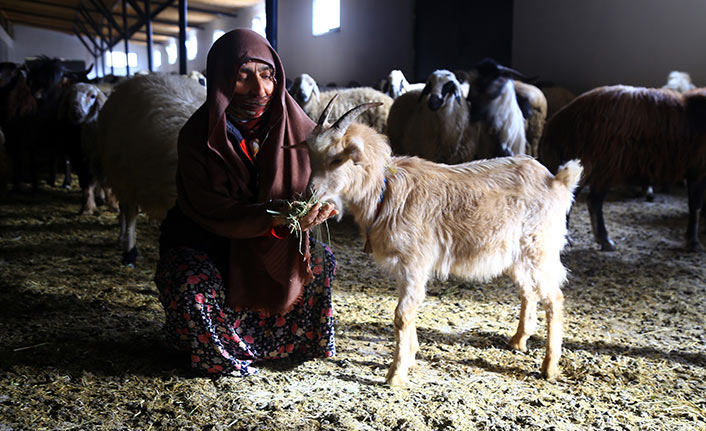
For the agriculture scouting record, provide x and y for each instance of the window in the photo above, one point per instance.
(258, 24)
(192, 46)
(117, 59)
(327, 16)
(217, 35)
(171, 52)
(156, 58)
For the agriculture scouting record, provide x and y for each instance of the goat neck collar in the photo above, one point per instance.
(367, 247)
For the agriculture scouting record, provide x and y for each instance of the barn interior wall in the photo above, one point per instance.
(585, 44)
(375, 37)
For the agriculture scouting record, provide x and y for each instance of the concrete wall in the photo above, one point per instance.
(375, 37)
(585, 44)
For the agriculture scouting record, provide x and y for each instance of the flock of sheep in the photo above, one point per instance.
(407, 159)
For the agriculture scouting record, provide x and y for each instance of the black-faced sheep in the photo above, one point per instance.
(137, 145)
(307, 94)
(476, 220)
(625, 134)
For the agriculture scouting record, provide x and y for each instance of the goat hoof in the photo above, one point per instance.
(549, 371)
(517, 344)
(396, 381)
(130, 257)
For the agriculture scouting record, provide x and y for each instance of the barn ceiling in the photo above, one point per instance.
(104, 20)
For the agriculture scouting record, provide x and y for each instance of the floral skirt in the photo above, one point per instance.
(227, 341)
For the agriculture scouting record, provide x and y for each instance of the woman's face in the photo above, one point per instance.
(255, 79)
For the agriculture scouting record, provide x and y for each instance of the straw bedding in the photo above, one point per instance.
(80, 338)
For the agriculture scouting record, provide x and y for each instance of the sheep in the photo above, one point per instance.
(535, 115)
(624, 134)
(557, 97)
(137, 135)
(434, 123)
(494, 101)
(679, 81)
(475, 220)
(308, 95)
(79, 109)
(395, 84)
(438, 124)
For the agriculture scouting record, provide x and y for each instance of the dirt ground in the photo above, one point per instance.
(80, 340)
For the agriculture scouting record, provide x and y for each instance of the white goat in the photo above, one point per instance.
(138, 129)
(476, 220)
(306, 92)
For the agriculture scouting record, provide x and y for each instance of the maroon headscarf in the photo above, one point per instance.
(213, 183)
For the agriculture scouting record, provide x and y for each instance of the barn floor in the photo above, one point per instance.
(80, 338)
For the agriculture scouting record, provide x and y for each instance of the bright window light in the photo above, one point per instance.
(117, 59)
(258, 25)
(156, 58)
(171, 52)
(327, 16)
(217, 35)
(192, 46)
(132, 59)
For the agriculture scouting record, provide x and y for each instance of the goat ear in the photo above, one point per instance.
(354, 149)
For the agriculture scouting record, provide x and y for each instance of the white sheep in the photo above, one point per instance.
(476, 220)
(434, 123)
(138, 129)
(535, 113)
(438, 124)
(395, 84)
(679, 81)
(79, 107)
(307, 94)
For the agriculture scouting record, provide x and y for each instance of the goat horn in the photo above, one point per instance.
(327, 111)
(513, 72)
(342, 124)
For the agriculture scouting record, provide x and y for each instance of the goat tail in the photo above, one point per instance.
(569, 174)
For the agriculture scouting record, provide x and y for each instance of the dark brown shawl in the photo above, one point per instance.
(264, 273)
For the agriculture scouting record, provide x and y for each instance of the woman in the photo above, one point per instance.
(235, 285)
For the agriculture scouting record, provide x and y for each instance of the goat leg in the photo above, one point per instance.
(411, 295)
(553, 307)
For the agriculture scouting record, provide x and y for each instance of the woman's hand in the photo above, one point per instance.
(317, 215)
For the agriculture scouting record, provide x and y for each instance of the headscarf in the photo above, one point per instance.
(214, 183)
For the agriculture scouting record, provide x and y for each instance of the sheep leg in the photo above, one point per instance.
(89, 199)
(528, 322)
(595, 210)
(411, 295)
(696, 201)
(553, 307)
(128, 224)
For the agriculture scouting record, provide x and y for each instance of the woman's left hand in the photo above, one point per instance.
(317, 215)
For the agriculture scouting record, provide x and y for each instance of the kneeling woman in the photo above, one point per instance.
(235, 285)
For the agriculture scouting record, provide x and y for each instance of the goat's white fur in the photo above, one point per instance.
(506, 120)
(138, 129)
(476, 220)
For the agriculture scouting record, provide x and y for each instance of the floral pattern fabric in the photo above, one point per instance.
(222, 340)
